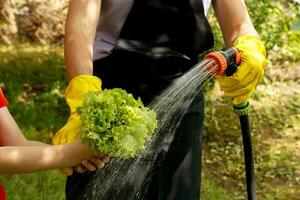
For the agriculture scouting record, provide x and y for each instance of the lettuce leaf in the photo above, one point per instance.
(115, 123)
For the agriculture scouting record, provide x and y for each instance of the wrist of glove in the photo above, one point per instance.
(241, 85)
(78, 87)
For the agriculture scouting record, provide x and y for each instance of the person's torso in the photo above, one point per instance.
(112, 18)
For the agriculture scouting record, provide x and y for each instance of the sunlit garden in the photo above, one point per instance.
(33, 78)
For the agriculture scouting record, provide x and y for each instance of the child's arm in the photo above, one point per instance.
(10, 133)
(22, 159)
(33, 155)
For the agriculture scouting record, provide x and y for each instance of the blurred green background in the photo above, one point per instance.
(32, 74)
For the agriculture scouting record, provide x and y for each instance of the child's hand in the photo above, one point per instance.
(80, 153)
(97, 161)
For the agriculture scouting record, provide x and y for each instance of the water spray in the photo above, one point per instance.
(228, 62)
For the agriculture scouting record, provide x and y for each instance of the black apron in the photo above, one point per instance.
(159, 42)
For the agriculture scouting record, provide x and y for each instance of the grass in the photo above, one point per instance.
(35, 186)
(34, 79)
(212, 191)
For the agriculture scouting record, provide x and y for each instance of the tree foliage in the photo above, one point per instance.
(42, 21)
(277, 22)
(38, 21)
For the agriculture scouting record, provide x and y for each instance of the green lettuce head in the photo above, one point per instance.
(115, 123)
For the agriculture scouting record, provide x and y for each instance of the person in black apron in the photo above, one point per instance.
(133, 66)
(160, 40)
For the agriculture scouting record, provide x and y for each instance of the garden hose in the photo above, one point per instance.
(242, 111)
(228, 62)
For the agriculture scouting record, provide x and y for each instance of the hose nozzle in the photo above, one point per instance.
(227, 61)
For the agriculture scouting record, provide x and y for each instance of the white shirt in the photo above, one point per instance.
(112, 18)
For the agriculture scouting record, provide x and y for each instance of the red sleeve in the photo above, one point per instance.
(2, 193)
(3, 100)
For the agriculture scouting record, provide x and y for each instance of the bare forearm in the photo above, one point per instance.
(81, 26)
(10, 133)
(233, 18)
(24, 159)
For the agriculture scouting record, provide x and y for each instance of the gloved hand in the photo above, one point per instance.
(74, 94)
(243, 82)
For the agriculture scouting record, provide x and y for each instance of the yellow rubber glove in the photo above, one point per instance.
(241, 85)
(74, 94)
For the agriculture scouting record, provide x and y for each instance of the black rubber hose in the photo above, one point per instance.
(248, 156)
